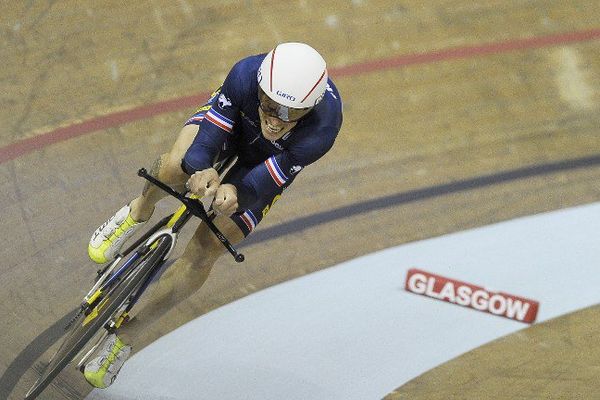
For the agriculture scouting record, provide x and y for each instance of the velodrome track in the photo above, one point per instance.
(457, 115)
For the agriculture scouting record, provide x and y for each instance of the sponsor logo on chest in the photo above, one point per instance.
(249, 120)
(277, 145)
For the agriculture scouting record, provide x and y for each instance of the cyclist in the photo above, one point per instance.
(278, 112)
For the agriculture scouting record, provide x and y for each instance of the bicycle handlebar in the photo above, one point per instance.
(197, 209)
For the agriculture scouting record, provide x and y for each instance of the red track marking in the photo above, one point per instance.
(467, 52)
(29, 145)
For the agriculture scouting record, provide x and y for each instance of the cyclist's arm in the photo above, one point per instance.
(268, 177)
(216, 124)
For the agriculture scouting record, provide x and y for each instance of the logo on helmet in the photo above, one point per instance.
(285, 95)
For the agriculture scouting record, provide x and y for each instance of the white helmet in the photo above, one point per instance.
(292, 80)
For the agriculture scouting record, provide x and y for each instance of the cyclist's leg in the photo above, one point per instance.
(166, 168)
(110, 236)
(179, 281)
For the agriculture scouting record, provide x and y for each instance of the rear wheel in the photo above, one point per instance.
(84, 328)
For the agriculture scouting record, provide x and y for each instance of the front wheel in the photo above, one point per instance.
(83, 329)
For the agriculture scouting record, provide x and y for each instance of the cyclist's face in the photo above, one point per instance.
(272, 127)
(276, 110)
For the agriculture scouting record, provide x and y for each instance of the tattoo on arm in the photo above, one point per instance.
(153, 172)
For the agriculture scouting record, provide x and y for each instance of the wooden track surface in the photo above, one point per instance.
(518, 367)
(406, 128)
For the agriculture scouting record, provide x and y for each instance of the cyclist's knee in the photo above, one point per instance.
(172, 159)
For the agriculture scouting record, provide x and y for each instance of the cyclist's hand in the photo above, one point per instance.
(204, 183)
(226, 199)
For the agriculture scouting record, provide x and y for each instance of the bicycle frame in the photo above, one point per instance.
(171, 226)
(120, 284)
(174, 223)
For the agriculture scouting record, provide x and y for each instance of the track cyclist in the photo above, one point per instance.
(278, 112)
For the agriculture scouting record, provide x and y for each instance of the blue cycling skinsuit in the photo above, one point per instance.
(229, 124)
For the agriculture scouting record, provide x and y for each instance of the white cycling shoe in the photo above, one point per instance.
(102, 371)
(108, 239)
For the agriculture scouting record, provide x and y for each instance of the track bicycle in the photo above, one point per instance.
(120, 284)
